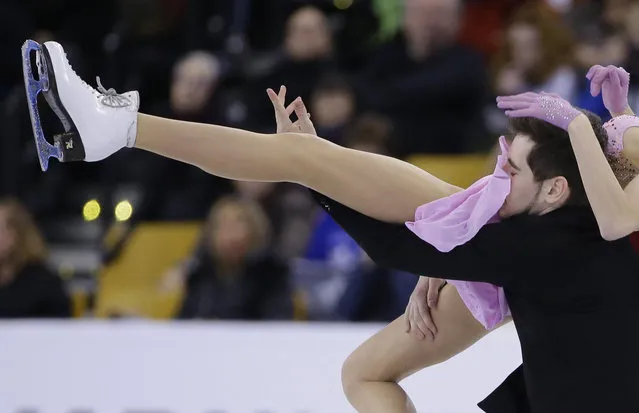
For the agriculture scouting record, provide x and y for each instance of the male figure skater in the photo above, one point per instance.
(562, 280)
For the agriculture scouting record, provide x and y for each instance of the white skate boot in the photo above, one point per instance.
(97, 123)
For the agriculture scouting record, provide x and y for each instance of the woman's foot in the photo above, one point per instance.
(97, 123)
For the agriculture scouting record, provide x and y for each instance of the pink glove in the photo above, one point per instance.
(613, 83)
(547, 107)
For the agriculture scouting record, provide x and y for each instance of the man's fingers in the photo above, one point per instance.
(424, 315)
(414, 323)
(433, 291)
(419, 322)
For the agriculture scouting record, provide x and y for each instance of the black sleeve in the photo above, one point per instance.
(494, 255)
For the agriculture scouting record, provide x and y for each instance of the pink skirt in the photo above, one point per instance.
(486, 302)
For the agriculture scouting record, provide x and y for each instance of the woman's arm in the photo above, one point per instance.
(616, 210)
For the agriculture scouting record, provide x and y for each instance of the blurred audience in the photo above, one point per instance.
(336, 278)
(307, 53)
(395, 77)
(289, 209)
(433, 88)
(232, 274)
(537, 54)
(332, 106)
(28, 288)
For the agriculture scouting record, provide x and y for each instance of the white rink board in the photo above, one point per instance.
(218, 367)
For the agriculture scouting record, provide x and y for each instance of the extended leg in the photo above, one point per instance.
(382, 187)
(101, 122)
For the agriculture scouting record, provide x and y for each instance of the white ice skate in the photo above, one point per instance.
(97, 123)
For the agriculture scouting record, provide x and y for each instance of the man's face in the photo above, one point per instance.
(524, 194)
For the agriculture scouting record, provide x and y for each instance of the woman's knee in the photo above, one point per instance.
(355, 374)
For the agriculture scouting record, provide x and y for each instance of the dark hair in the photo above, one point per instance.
(371, 129)
(552, 154)
(333, 83)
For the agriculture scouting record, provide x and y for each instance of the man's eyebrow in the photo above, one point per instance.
(510, 161)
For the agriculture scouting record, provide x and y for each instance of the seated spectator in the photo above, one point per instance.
(28, 288)
(537, 54)
(197, 94)
(289, 209)
(335, 277)
(432, 88)
(375, 294)
(608, 47)
(232, 275)
(332, 106)
(194, 93)
(307, 54)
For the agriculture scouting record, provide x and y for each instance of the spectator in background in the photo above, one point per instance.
(430, 86)
(307, 54)
(145, 35)
(537, 54)
(15, 26)
(289, 209)
(196, 94)
(484, 22)
(232, 275)
(598, 26)
(336, 278)
(197, 77)
(332, 106)
(28, 289)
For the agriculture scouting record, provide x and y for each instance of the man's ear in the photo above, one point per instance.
(556, 190)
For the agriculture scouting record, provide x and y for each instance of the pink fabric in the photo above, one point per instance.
(615, 128)
(448, 222)
(452, 221)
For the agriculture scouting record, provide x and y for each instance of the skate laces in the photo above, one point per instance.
(111, 98)
(108, 97)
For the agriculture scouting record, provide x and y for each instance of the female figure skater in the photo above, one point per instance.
(616, 208)
(100, 123)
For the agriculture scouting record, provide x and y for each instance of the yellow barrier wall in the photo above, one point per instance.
(131, 283)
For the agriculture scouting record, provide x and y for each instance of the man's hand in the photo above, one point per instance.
(283, 114)
(423, 298)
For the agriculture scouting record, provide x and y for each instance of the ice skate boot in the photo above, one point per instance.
(97, 123)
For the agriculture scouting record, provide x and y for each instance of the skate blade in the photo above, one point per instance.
(33, 87)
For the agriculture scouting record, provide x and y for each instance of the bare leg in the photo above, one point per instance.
(382, 187)
(371, 373)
